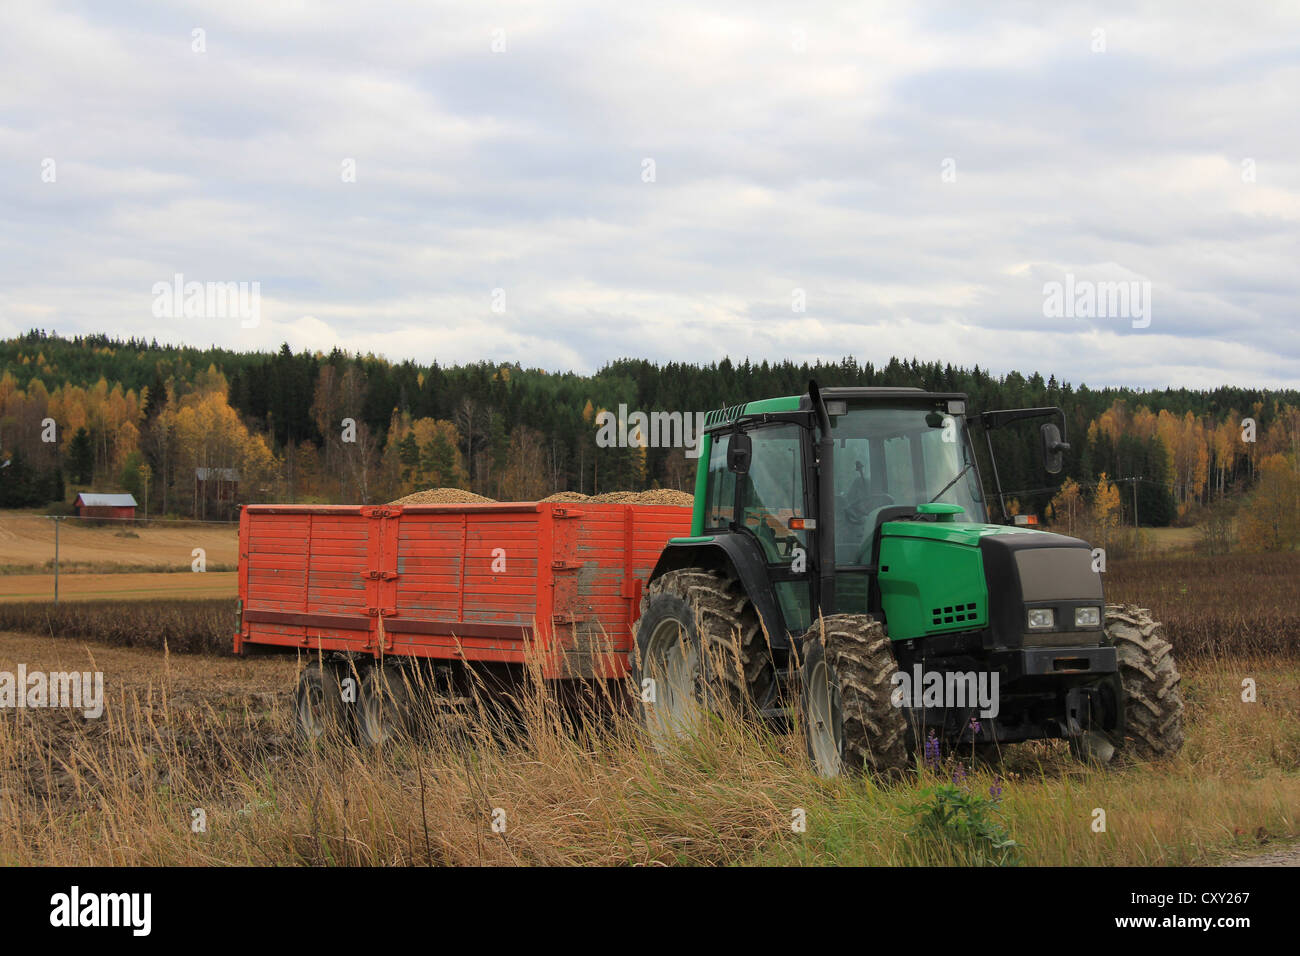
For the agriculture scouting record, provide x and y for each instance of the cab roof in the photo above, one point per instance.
(885, 392)
(791, 403)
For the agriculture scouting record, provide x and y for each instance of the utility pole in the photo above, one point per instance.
(56, 519)
(1135, 503)
(1134, 483)
(145, 474)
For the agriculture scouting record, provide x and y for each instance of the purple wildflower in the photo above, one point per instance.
(995, 791)
(932, 751)
(959, 775)
(974, 726)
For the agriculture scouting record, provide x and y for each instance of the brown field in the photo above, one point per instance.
(1216, 606)
(130, 586)
(137, 670)
(1211, 606)
(198, 626)
(27, 541)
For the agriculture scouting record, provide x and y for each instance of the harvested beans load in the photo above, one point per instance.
(613, 497)
(458, 496)
(442, 496)
(659, 496)
(566, 496)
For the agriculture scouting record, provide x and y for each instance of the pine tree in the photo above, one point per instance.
(408, 454)
(81, 458)
(440, 462)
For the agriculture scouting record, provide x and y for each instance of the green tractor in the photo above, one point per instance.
(841, 557)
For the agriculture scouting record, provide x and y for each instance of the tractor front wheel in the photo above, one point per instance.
(1153, 699)
(850, 722)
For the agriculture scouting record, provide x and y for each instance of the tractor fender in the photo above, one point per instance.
(736, 554)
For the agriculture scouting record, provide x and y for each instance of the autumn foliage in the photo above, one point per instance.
(196, 432)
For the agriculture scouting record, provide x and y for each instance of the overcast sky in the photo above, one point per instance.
(657, 180)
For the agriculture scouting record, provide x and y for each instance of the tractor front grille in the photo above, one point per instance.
(956, 614)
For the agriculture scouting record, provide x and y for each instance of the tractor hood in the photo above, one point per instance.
(1041, 571)
(946, 576)
(959, 532)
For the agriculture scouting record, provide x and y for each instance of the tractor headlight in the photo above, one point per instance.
(1087, 616)
(1041, 618)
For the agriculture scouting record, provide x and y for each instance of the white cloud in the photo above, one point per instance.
(795, 147)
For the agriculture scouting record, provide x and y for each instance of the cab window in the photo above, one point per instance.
(720, 489)
(771, 493)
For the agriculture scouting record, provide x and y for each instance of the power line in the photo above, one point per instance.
(143, 522)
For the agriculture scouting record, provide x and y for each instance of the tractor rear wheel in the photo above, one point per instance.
(700, 647)
(850, 722)
(1153, 699)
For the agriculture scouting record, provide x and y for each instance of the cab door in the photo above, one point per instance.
(771, 504)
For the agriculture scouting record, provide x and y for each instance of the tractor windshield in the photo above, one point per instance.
(886, 456)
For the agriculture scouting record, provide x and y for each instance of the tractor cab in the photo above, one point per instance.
(894, 452)
(896, 455)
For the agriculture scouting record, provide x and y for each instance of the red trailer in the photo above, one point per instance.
(471, 583)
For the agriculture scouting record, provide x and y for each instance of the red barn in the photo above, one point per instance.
(105, 506)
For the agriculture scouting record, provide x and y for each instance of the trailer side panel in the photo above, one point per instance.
(489, 582)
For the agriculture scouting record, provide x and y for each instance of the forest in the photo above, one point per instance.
(195, 432)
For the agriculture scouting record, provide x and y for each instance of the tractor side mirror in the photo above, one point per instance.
(739, 452)
(1053, 449)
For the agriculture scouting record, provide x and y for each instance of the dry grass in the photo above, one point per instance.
(1172, 539)
(186, 733)
(1234, 788)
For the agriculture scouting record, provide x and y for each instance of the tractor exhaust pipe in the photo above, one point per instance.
(825, 505)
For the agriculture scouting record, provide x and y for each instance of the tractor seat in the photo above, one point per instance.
(870, 551)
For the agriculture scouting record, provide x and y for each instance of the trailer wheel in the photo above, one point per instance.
(700, 647)
(386, 706)
(318, 708)
(1153, 699)
(850, 722)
